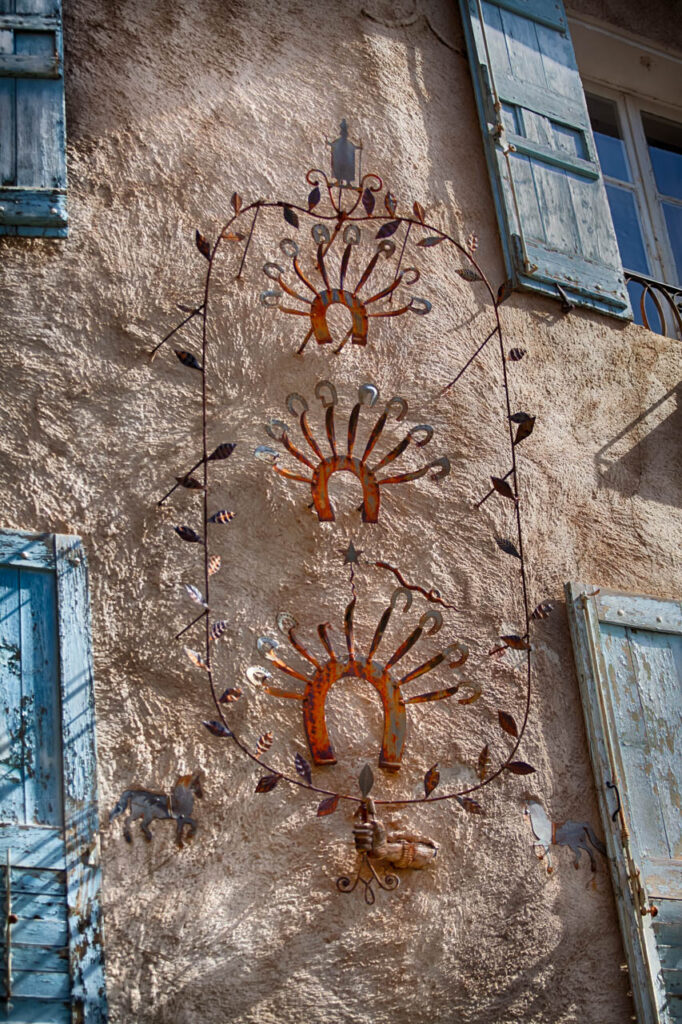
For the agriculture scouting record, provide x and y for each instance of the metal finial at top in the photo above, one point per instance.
(343, 156)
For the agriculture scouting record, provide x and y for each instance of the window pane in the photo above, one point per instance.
(673, 220)
(664, 139)
(608, 138)
(628, 231)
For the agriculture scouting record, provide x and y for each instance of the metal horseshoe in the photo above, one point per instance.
(286, 622)
(266, 645)
(352, 234)
(368, 394)
(266, 454)
(320, 233)
(258, 675)
(270, 298)
(409, 270)
(422, 428)
(396, 403)
(273, 270)
(433, 616)
(323, 386)
(419, 306)
(289, 247)
(295, 397)
(444, 463)
(463, 654)
(281, 426)
(397, 594)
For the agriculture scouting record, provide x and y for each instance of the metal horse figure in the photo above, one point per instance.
(142, 803)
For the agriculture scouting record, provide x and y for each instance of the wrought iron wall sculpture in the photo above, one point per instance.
(316, 285)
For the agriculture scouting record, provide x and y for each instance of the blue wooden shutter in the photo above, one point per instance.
(51, 946)
(551, 204)
(32, 133)
(629, 658)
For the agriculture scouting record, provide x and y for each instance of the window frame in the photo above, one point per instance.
(630, 107)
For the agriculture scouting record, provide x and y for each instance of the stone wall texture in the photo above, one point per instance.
(170, 108)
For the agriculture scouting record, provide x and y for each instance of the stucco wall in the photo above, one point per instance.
(171, 108)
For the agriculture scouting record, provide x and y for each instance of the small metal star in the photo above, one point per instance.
(351, 555)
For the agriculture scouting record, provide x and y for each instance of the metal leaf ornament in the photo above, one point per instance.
(222, 516)
(196, 658)
(188, 534)
(267, 783)
(230, 695)
(431, 780)
(507, 723)
(187, 359)
(366, 780)
(303, 768)
(264, 743)
(218, 729)
(213, 564)
(223, 451)
(328, 806)
(195, 595)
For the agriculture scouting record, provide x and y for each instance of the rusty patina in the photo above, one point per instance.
(323, 467)
(379, 674)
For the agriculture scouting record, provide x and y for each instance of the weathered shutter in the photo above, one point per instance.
(629, 658)
(51, 940)
(32, 125)
(551, 204)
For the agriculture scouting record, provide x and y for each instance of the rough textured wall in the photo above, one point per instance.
(170, 108)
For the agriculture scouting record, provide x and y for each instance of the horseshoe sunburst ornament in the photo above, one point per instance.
(320, 297)
(324, 468)
(383, 676)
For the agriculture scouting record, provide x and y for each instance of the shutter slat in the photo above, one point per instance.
(554, 216)
(32, 123)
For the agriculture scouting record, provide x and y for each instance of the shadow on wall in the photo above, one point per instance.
(651, 466)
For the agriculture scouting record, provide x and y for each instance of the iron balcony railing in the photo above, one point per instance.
(656, 305)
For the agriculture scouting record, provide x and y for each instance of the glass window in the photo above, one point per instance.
(628, 230)
(664, 142)
(608, 137)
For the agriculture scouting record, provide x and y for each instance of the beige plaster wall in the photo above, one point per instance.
(170, 108)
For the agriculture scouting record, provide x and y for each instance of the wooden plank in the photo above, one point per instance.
(579, 276)
(46, 65)
(35, 1011)
(553, 157)
(40, 985)
(40, 932)
(47, 985)
(525, 58)
(31, 22)
(34, 905)
(35, 550)
(545, 12)
(34, 208)
(8, 164)
(39, 8)
(542, 101)
(37, 958)
(641, 612)
(39, 156)
(80, 781)
(32, 846)
(11, 779)
(40, 882)
(660, 688)
(40, 699)
(553, 192)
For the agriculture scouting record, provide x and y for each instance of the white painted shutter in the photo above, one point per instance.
(628, 654)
